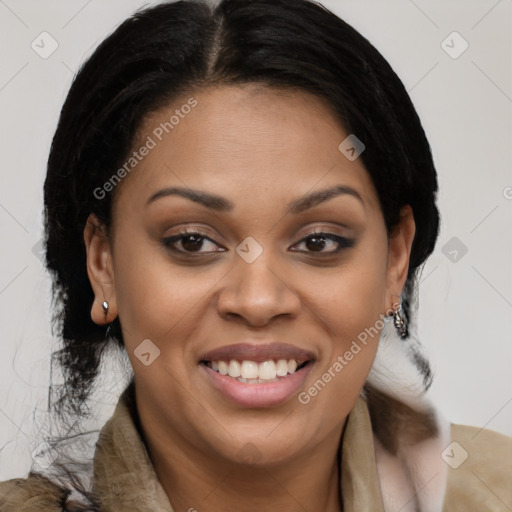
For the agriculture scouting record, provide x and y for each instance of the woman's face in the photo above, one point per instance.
(245, 240)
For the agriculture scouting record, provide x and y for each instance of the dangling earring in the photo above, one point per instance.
(105, 307)
(399, 322)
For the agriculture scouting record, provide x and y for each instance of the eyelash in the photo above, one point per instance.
(169, 241)
(343, 243)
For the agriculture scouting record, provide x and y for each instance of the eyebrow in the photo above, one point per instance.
(310, 200)
(219, 203)
(211, 201)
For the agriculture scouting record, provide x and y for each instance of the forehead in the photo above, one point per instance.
(244, 141)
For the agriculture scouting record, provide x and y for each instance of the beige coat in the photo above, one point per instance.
(124, 479)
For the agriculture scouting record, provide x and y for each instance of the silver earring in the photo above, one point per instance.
(105, 307)
(399, 322)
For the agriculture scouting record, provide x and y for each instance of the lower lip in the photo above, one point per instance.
(258, 395)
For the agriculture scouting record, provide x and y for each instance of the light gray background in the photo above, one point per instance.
(464, 103)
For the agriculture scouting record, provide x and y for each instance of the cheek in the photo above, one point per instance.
(352, 297)
(350, 304)
(353, 318)
(156, 300)
(356, 304)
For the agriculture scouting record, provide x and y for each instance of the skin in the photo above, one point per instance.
(260, 149)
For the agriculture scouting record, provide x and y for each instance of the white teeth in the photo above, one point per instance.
(267, 370)
(282, 368)
(234, 369)
(223, 367)
(249, 370)
(255, 372)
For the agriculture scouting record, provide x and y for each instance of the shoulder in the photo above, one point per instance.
(480, 470)
(31, 494)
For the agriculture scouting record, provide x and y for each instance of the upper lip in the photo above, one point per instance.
(258, 352)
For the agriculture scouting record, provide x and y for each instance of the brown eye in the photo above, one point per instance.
(192, 242)
(315, 243)
(324, 243)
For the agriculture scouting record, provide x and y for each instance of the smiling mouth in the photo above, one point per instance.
(253, 372)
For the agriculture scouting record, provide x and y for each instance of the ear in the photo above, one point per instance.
(400, 243)
(100, 271)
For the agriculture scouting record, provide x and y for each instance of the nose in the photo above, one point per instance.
(257, 294)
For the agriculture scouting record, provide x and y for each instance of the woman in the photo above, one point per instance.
(241, 197)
